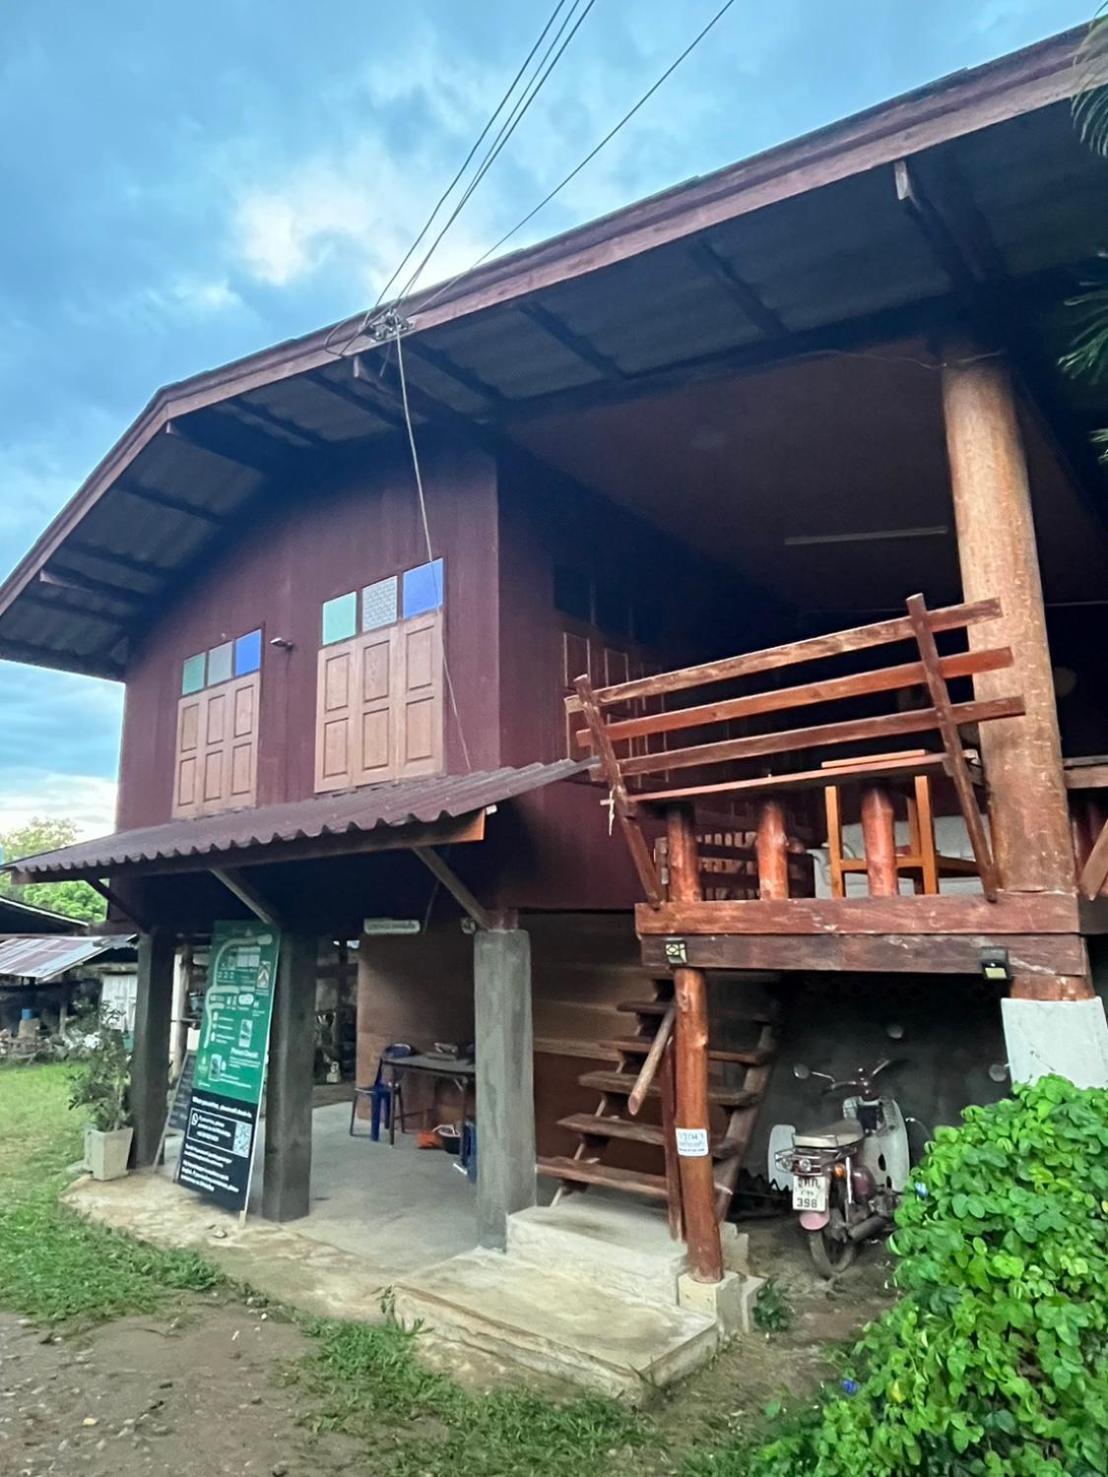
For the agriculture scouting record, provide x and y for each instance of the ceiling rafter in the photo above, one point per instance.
(170, 504)
(40, 656)
(62, 602)
(557, 328)
(764, 319)
(380, 412)
(225, 443)
(939, 202)
(70, 580)
(457, 372)
(245, 411)
(142, 567)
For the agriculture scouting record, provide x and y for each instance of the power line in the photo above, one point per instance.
(589, 157)
(507, 129)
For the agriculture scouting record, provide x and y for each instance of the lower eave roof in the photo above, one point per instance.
(44, 959)
(218, 839)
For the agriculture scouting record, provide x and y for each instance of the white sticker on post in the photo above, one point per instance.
(692, 1143)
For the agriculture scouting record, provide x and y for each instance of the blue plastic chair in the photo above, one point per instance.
(386, 1097)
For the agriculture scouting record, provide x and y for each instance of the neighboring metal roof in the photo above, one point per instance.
(23, 918)
(812, 233)
(42, 959)
(401, 803)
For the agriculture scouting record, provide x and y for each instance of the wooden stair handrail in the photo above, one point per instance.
(653, 1061)
(750, 664)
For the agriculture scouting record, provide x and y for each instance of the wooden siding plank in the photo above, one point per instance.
(797, 917)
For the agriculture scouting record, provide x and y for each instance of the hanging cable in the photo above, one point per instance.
(589, 157)
(506, 130)
(362, 320)
(427, 538)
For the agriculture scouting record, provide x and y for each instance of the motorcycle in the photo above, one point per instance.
(846, 1177)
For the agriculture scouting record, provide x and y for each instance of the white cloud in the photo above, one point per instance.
(87, 800)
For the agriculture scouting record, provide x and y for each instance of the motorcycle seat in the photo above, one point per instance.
(831, 1135)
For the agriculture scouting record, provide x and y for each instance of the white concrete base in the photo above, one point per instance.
(730, 1302)
(1068, 1038)
(558, 1325)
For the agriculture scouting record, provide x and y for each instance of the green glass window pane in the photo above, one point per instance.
(219, 663)
(340, 618)
(192, 673)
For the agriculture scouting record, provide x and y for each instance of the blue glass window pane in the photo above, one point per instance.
(192, 673)
(219, 663)
(248, 653)
(423, 588)
(340, 618)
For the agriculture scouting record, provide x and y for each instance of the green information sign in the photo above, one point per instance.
(218, 1148)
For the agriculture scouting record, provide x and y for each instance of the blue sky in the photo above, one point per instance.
(185, 184)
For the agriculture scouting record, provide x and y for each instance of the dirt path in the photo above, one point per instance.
(196, 1395)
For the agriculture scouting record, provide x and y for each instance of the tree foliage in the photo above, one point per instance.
(74, 899)
(994, 1363)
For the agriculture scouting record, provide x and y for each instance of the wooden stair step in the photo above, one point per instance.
(596, 1126)
(623, 1082)
(765, 1015)
(752, 1056)
(582, 1171)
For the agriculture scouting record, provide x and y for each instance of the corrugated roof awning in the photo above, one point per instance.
(44, 959)
(322, 825)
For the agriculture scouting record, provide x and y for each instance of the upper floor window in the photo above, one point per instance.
(216, 756)
(379, 708)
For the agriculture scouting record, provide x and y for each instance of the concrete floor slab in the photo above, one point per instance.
(558, 1325)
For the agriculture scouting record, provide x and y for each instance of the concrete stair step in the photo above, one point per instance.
(590, 1172)
(621, 1083)
(571, 1327)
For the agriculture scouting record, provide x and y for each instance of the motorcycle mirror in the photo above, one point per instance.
(801, 1072)
(894, 1031)
(998, 1071)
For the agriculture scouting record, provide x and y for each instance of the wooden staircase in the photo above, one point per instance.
(623, 1088)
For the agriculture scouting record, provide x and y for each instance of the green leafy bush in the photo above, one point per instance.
(994, 1363)
(101, 1082)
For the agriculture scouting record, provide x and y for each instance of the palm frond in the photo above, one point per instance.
(1090, 105)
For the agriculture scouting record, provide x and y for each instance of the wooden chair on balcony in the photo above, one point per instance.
(631, 728)
(920, 861)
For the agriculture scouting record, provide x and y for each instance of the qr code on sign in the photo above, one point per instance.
(241, 1142)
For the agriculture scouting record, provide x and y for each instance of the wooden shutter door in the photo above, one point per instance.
(186, 775)
(335, 738)
(417, 709)
(213, 765)
(241, 764)
(377, 667)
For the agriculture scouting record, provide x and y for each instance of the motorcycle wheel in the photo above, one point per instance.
(831, 1256)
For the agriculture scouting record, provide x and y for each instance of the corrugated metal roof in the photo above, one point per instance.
(401, 803)
(43, 959)
(25, 918)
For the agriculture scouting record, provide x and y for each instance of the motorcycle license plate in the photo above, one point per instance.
(809, 1192)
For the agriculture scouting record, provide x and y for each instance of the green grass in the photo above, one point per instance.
(368, 1383)
(54, 1266)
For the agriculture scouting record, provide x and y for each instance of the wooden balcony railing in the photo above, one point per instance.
(701, 735)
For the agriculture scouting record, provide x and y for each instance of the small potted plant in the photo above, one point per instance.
(101, 1082)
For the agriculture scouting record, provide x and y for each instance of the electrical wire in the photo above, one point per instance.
(589, 157)
(427, 537)
(507, 129)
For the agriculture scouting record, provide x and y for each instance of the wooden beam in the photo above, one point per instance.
(1044, 957)
(70, 580)
(84, 665)
(60, 601)
(203, 431)
(454, 886)
(879, 841)
(653, 1060)
(171, 504)
(1013, 912)
(808, 779)
(541, 316)
(763, 318)
(242, 410)
(247, 893)
(85, 549)
(115, 901)
(443, 364)
(389, 414)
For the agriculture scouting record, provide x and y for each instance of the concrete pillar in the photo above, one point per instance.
(1028, 807)
(287, 1177)
(150, 1057)
(505, 1079)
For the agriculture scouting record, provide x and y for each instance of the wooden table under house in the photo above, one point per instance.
(777, 743)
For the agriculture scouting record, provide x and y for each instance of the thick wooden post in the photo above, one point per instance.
(771, 847)
(998, 557)
(287, 1177)
(692, 1113)
(879, 840)
(150, 1056)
